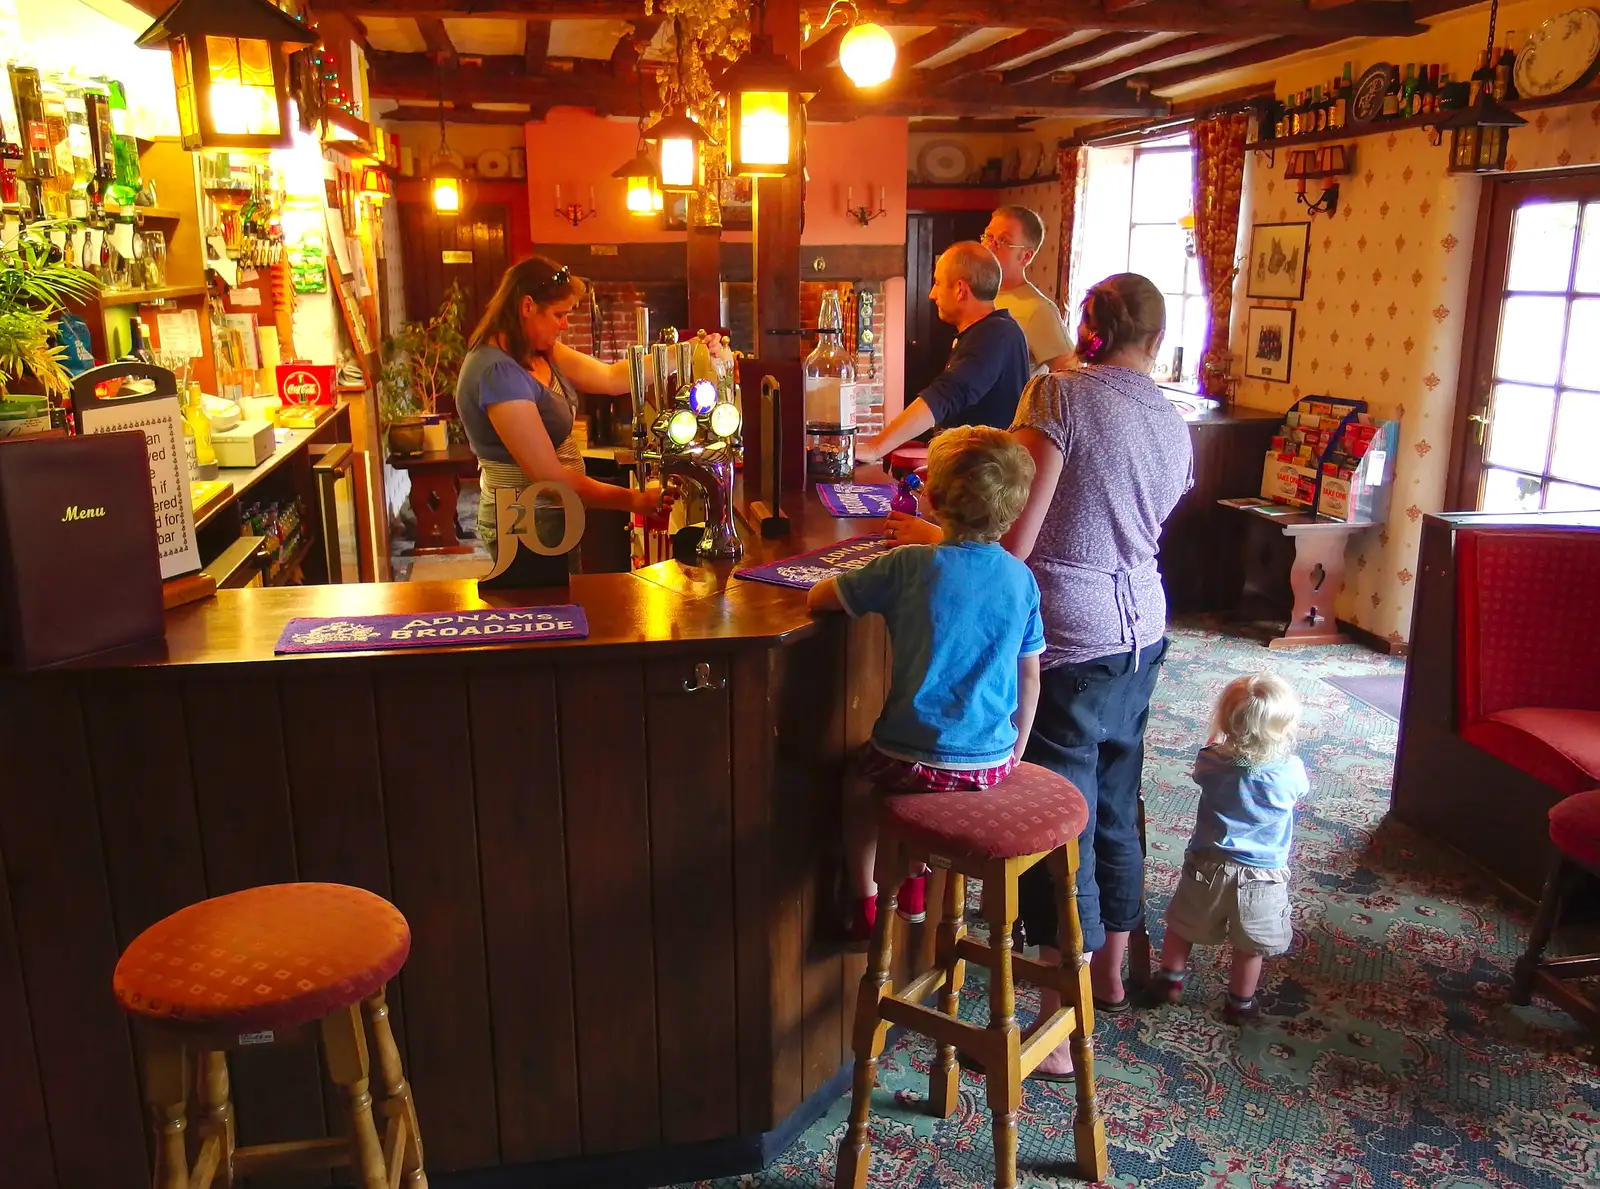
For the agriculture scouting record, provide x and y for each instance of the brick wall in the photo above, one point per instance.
(610, 328)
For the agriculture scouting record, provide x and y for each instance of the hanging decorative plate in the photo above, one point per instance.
(1032, 158)
(944, 161)
(493, 163)
(1368, 102)
(1560, 54)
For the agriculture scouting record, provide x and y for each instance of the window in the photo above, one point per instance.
(1134, 205)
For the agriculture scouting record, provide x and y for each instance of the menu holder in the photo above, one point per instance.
(79, 563)
(159, 416)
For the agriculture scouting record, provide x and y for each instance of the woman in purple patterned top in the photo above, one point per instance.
(1113, 458)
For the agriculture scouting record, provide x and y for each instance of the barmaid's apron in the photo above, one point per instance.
(549, 518)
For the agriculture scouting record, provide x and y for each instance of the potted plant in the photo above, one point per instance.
(420, 363)
(34, 292)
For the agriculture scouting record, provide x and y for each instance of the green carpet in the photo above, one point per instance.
(1388, 1055)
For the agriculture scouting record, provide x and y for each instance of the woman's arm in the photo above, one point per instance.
(588, 374)
(1027, 701)
(522, 430)
(1047, 473)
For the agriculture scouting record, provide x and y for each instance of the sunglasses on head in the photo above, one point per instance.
(557, 280)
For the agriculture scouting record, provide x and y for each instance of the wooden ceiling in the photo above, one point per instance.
(511, 60)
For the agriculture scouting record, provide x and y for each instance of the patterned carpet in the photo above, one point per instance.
(1388, 1056)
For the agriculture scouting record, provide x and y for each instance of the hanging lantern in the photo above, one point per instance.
(867, 54)
(375, 183)
(765, 97)
(447, 177)
(1480, 131)
(678, 140)
(231, 71)
(447, 192)
(644, 195)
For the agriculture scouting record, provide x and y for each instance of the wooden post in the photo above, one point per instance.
(705, 278)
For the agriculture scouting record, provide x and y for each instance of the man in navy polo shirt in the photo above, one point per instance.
(988, 367)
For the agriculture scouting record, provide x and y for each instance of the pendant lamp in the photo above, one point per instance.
(1479, 131)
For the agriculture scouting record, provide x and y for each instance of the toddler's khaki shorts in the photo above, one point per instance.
(1218, 902)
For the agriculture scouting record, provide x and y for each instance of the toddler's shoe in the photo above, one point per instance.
(1166, 987)
(913, 899)
(858, 927)
(1241, 1011)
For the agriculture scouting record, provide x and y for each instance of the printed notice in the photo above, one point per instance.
(162, 423)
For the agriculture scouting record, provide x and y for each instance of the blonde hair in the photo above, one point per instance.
(978, 481)
(1256, 719)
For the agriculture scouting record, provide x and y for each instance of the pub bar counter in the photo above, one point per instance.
(617, 856)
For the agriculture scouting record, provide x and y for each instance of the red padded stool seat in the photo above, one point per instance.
(1030, 812)
(1575, 827)
(1559, 747)
(276, 965)
(1031, 816)
(264, 958)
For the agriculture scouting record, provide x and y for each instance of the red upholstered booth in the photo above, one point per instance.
(1529, 652)
(1501, 718)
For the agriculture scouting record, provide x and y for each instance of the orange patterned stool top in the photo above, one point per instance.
(268, 957)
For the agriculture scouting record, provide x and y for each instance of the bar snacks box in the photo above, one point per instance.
(1356, 478)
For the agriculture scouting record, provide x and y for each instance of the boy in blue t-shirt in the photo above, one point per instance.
(963, 619)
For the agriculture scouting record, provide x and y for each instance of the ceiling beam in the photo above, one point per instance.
(418, 114)
(1157, 55)
(1266, 51)
(411, 77)
(1364, 18)
(1084, 51)
(538, 46)
(824, 51)
(1018, 45)
(935, 41)
(440, 47)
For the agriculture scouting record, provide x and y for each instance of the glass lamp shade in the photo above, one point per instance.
(867, 54)
(764, 97)
(643, 195)
(447, 197)
(679, 139)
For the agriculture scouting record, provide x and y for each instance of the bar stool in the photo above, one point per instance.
(995, 836)
(287, 963)
(1575, 832)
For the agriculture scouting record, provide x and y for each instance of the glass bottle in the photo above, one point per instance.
(830, 401)
(38, 165)
(78, 144)
(1505, 69)
(197, 422)
(125, 188)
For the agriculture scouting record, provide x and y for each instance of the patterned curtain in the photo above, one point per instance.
(1218, 183)
(1069, 165)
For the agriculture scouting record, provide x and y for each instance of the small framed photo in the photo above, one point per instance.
(1278, 261)
(1269, 344)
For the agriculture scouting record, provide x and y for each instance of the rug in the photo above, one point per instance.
(1382, 693)
(1387, 1057)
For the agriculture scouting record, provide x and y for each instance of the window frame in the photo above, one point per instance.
(1175, 335)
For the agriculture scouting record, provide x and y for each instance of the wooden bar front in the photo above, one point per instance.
(619, 885)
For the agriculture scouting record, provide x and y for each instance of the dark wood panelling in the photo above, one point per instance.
(813, 758)
(425, 745)
(24, 1133)
(866, 686)
(527, 928)
(66, 936)
(751, 711)
(247, 840)
(691, 868)
(606, 809)
(482, 231)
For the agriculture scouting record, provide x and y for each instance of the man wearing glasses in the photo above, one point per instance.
(988, 366)
(1014, 235)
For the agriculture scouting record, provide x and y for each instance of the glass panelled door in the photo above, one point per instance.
(1534, 425)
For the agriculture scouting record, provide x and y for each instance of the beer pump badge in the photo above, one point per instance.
(307, 383)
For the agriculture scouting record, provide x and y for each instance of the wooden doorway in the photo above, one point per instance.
(928, 340)
(471, 249)
(1528, 412)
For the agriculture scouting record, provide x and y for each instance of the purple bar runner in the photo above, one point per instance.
(856, 500)
(457, 629)
(808, 569)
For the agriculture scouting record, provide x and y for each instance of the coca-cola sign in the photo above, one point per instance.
(306, 383)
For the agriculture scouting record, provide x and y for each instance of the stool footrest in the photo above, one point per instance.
(1047, 1039)
(945, 1029)
(922, 986)
(293, 1156)
(206, 1162)
(1028, 970)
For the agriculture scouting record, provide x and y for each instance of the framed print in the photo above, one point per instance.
(1269, 344)
(1278, 260)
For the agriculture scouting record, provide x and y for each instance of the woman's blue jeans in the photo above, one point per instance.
(1090, 729)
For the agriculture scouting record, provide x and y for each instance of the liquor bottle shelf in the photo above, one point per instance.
(1377, 127)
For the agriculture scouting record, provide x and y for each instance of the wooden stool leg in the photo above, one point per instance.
(1139, 943)
(166, 1089)
(1088, 1129)
(1544, 924)
(855, 1156)
(345, 1046)
(216, 1125)
(944, 1081)
(1003, 1059)
(402, 1138)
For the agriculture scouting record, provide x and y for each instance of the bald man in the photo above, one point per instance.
(989, 364)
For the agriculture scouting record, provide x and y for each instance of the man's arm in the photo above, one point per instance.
(916, 418)
(973, 370)
(824, 596)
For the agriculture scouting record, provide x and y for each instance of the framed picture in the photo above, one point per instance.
(1278, 260)
(1269, 344)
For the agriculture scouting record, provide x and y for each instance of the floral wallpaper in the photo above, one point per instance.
(1045, 199)
(1382, 319)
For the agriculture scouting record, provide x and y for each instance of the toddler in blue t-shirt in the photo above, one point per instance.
(1235, 882)
(966, 637)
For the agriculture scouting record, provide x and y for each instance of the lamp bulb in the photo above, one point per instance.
(867, 54)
